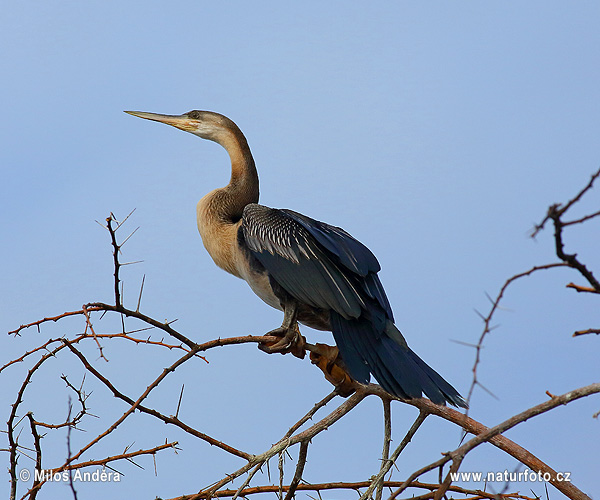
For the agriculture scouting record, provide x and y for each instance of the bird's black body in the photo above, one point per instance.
(316, 273)
(335, 276)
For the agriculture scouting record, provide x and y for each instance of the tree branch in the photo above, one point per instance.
(491, 435)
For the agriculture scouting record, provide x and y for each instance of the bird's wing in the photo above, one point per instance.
(318, 264)
(351, 253)
(323, 266)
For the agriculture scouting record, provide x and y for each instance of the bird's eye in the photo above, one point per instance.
(195, 115)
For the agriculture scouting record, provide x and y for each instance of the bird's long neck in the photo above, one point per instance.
(229, 202)
(219, 213)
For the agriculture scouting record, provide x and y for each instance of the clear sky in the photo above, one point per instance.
(437, 133)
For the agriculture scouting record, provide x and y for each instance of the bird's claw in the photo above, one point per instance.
(291, 341)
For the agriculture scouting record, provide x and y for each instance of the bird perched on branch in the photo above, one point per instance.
(317, 274)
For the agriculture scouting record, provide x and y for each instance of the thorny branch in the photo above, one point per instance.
(38, 450)
(300, 433)
(387, 464)
(385, 454)
(487, 320)
(476, 494)
(555, 214)
(487, 435)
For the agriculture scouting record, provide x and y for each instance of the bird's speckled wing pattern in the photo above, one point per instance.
(298, 263)
(318, 264)
(350, 253)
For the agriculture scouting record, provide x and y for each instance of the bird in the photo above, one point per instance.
(316, 273)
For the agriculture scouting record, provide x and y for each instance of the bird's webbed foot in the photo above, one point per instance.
(290, 338)
(327, 358)
(291, 341)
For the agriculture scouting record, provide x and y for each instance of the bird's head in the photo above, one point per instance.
(205, 124)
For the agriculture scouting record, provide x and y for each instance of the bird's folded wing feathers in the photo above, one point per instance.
(318, 264)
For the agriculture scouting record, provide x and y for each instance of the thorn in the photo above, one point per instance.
(179, 403)
(467, 344)
(483, 318)
(488, 391)
(101, 225)
(130, 235)
(140, 296)
(492, 301)
(119, 224)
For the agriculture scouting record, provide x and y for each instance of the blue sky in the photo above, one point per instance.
(437, 133)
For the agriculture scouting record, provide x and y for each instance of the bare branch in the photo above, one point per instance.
(570, 203)
(116, 249)
(487, 328)
(299, 470)
(286, 442)
(318, 487)
(37, 323)
(38, 453)
(570, 259)
(385, 453)
(490, 435)
(387, 465)
(114, 458)
(581, 220)
(587, 332)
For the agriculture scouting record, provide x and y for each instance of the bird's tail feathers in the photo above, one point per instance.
(394, 365)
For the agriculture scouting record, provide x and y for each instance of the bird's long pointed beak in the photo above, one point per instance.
(182, 122)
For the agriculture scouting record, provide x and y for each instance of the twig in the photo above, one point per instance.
(38, 453)
(488, 319)
(581, 289)
(586, 332)
(71, 485)
(581, 220)
(116, 248)
(114, 458)
(286, 442)
(299, 470)
(555, 212)
(37, 323)
(84, 336)
(247, 481)
(137, 405)
(81, 396)
(388, 464)
(570, 259)
(385, 453)
(569, 204)
(88, 324)
(477, 493)
(12, 440)
(310, 413)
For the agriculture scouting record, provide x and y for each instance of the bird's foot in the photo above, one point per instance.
(328, 359)
(291, 341)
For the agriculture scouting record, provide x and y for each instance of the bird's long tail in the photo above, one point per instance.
(383, 352)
